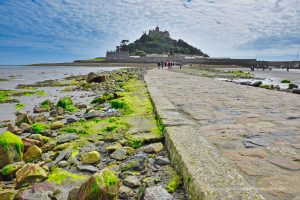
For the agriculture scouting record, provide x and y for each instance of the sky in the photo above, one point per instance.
(43, 31)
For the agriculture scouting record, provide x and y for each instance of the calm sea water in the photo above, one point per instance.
(31, 74)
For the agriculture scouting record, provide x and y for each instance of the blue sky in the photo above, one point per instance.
(34, 31)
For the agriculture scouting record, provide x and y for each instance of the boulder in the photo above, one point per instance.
(157, 192)
(92, 114)
(132, 181)
(11, 169)
(92, 77)
(92, 157)
(30, 173)
(113, 147)
(292, 86)
(14, 129)
(40, 110)
(102, 185)
(38, 191)
(87, 168)
(8, 194)
(119, 154)
(296, 90)
(32, 153)
(11, 148)
(137, 163)
(23, 118)
(256, 84)
(162, 161)
(30, 142)
(125, 192)
(25, 127)
(56, 125)
(153, 148)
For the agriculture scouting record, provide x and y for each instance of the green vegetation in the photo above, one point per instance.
(285, 81)
(3, 80)
(98, 59)
(107, 178)
(239, 74)
(8, 169)
(46, 104)
(265, 86)
(67, 104)
(174, 184)
(118, 104)
(19, 106)
(39, 127)
(96, 126)
(158, 43)
(8, 96)
(104, 98)
(60, 176)
(8, 139)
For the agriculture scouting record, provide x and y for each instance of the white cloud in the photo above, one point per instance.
(219, 27)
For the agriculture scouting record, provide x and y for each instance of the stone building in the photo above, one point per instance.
(157, 32)
(117, 55)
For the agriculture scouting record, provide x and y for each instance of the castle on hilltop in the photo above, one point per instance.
(157, 32)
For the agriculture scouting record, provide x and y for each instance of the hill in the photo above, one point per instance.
(158, 42)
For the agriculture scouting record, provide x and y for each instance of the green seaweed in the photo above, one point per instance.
(285, 81)
(46, 104)
(174, 184)
(8, 139)
(39, 127)
(60, 176)
(8, 169)
(19, 106)
(265, 86)
(67, 104)
(104, 98)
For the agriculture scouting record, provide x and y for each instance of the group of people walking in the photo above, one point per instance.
(168, 64)
(269, 68)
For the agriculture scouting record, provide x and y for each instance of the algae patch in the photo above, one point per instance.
(8, 139)
(60, 176)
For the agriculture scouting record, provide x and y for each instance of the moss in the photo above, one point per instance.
(46, 104)
(39, 127)
(19, 106)
(118, 104)
(109, 178)
(67, 104)
(8, 139)
(174, 184)
(265, 86)
(8, 169)
(95, 126)
(285, 81)
(8, 96)
(104, 98)
(136, 143)
(60, 176)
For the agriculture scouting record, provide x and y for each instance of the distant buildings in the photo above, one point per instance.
(157, 32)
(113, 55)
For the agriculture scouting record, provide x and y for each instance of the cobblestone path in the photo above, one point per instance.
(256, 130)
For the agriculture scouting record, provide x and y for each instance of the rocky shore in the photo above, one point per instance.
(111, 147)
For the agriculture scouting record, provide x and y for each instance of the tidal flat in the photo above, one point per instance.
(86, 128)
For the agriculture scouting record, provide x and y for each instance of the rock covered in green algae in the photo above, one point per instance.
(8, 194)
(101, 186)
(30, 173)
(66, 103)
(11, 149)
(11, 169)
(56, 125)
(32, 153)
(92, 157)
